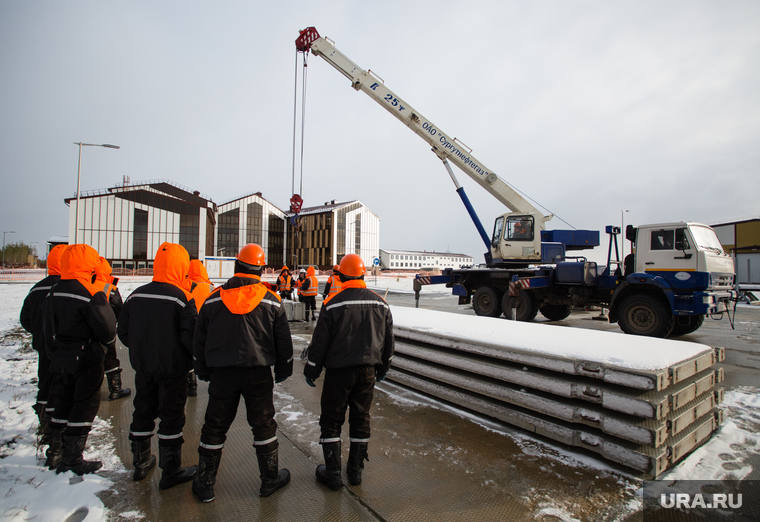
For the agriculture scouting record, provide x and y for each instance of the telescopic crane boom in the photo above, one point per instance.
(522, 249)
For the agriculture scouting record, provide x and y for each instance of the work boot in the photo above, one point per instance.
(356, 457)
(43, 430)
(142, 459)
(203, 483)
(114, 386)
(170, 461)
(72, 460)
(55, 450)
(192, 384)
(329, 472)
(272, 478)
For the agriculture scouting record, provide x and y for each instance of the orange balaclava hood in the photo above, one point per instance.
(197, 272)
(310, 271)
(54, 260)
(81, 262)
(171, 265)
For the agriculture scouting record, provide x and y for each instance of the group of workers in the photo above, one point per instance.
(179, 328)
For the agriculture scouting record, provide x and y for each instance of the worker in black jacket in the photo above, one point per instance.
(353, 340)
(32, 320)
(79, 323)
(156, 324)
(112, 365)
(242, 331)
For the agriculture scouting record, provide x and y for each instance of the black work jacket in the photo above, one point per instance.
(259, 337)
(355, 328)
(31, 317)
(156, 324)
(73, 316)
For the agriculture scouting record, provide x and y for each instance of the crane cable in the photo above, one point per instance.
(295, 120)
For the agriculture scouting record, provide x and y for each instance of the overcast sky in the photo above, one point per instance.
(587, 107)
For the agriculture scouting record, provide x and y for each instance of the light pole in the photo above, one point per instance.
(6, 232)
(622, 233)
(79, 175)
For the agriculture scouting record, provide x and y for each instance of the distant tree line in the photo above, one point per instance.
(17, 254)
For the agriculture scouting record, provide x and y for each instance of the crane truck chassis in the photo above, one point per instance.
(677, 274)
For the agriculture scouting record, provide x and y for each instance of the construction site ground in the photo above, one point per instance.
(427, 460)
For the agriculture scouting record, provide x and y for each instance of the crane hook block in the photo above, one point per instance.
(295, 203)
(306, 38)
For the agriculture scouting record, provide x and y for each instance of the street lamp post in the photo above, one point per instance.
(622, 233)
(6, 232)
(79, 175)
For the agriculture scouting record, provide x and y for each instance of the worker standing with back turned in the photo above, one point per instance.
(242, 331)
(353, 340)
(157, 324)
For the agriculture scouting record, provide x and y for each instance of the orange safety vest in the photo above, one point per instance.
(284, 282)
(334, 281)
(313, 287)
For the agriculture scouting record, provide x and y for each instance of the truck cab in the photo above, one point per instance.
(677, 274)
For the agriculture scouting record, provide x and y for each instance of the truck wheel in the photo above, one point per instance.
(525, 304)
(486, 302)
(556, 312)
(642, 314)
(686, 325)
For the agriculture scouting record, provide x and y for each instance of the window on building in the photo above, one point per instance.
(276, 241)
(189, 230)
(229, 233)
(254, 225)
(140, 237)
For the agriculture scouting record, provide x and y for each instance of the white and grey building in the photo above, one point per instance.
(422, 260)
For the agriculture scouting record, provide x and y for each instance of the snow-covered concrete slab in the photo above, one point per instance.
(637, 362)
(639, 403)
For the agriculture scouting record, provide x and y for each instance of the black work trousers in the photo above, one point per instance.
(347, 388)
(44, 380)
(256, 385)
(112, 364)
(77, 399)
(163, 398)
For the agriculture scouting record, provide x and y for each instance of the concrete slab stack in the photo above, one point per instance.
(640, 402)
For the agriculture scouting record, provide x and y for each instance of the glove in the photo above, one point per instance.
(310, 383)
(379, 377)
(203, 377)
(280, 379)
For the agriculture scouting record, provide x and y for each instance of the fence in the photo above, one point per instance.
(22, 274)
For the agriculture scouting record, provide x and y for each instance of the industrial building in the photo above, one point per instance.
(742, 240)
(422, 260)
(127, 223)
(322, 235)
(250, 219)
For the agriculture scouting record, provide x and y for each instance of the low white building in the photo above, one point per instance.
(422, 260)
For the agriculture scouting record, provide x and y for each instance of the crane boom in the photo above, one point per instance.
(443, 145)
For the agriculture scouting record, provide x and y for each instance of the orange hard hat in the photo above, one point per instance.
(352, 266)
(252, 254)
(336, 268)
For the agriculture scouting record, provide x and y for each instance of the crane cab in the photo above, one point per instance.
(516, 239)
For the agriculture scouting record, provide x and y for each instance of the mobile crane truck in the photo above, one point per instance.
(677, 274)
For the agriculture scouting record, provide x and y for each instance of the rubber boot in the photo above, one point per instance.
(170, 461)
(356, 457)
(114, 386)
(43, 430)
(272, 478)
(55, 450)
(192, 384)
(142, 459)
(72, 460)
(203, 483)
(329, 472)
